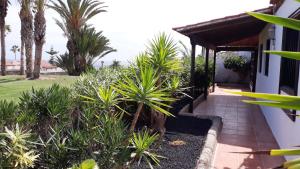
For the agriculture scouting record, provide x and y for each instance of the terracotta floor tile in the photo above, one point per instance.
(244, 129)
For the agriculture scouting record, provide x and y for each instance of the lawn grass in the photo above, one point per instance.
(12, 86)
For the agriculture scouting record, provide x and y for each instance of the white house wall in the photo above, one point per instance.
(283, 128)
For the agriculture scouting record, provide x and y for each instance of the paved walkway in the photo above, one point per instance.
(244, 129)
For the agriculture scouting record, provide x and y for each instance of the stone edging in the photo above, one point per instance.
(196, 102)
(206, 157)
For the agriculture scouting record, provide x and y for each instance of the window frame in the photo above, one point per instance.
(267, 57)
(290, 113)
(260, 57)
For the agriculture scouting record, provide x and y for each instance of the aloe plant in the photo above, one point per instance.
(275, 100)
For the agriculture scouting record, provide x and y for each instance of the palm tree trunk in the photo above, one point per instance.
(22, 71)
(37, 61)
(28, 44)
(3, 53)
(136, 117)
(28, 53)
(39, 38)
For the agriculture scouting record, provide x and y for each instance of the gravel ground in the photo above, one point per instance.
(182, 143)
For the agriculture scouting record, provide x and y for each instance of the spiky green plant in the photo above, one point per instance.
(163, 54)
(275, 100)
(141, 143)
(142, 88)
(8, 113)
(16, 148)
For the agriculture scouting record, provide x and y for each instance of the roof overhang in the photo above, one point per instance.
(236, 30)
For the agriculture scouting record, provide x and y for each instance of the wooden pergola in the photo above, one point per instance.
(232, 33)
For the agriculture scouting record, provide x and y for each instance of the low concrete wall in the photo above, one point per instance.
(207, 155)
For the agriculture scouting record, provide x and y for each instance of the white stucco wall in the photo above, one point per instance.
(224, 75)
(284, 129)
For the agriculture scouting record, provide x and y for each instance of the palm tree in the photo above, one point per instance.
(15, 49)
(185, 51)
(74, 16)
(26, 36)
(7, 29)
(3, 13)
(92, 46)
(39, 35)
(115, 64)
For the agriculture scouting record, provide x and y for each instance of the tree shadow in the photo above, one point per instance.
(9, 80)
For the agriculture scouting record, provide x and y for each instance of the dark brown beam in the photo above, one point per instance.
(223, 25)
(236, 48)
(206, 74)
(214, 70)
(202, 42)
(192, 80)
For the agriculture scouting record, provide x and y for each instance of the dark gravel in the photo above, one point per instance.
(188, 130)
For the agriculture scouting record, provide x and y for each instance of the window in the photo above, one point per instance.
(267, 58)
(260, 57)
(289, 73)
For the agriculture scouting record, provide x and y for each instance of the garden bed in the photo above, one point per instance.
(182, 143)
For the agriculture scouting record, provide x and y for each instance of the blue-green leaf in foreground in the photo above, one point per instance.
(265, 96)
(286, 22)
(286, 54)
(283, 105)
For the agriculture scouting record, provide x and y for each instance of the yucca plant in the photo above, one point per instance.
(162, 52)
(140, 143)
(275, 100)
(142, 88)
(107, 99)
(17, 151)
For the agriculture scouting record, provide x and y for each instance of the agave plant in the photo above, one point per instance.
(275, 100)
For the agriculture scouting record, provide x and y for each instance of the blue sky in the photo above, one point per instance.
(131, 24)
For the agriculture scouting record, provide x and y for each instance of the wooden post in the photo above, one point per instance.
(254, 59)
(192, 80)
(214, 70)
(206, 73)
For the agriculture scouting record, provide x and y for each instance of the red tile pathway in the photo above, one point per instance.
(244, 129)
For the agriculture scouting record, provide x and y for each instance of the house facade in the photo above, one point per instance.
(269, 73)
(280, 75)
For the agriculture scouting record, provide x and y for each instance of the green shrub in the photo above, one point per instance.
(112, 136)
(8, 113)
(237, 64)
(41, 108)
(200, 82)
